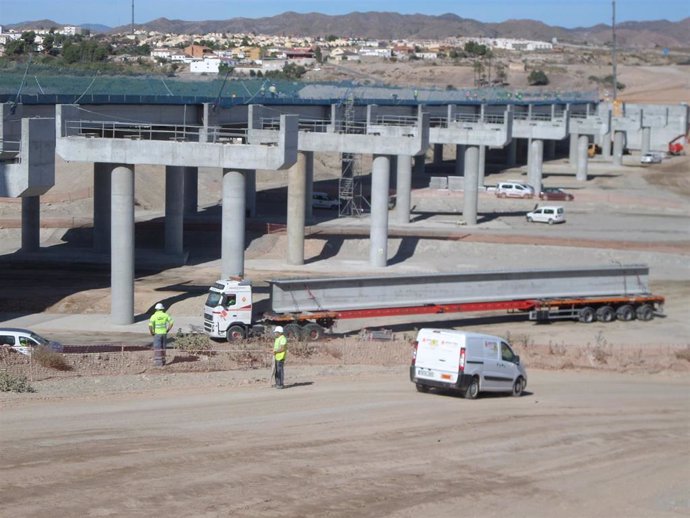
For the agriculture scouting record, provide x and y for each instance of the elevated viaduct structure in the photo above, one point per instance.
(239, 136)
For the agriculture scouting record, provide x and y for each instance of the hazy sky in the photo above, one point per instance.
(113, 13)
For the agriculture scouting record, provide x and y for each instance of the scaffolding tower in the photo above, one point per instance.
(350, 183)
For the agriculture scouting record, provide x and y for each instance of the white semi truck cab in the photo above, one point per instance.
(228, 309)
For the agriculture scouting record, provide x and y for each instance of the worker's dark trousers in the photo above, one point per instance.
(279, 372)
(159, 343)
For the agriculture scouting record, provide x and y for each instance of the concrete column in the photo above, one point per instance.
(31, 223)
(296, 202)
(250, 196)
(529, 153)
(403, 194)
(606, 146)
(482, 166)
(233, 226)
(378, 248)
(309, 178)
(174, 209)
(191, 190)
(438, 154)
(549, 149)
(511, 153)
(419, 163)
(460, 159)
(582, 158)
(469, 210)
(122, 246)
(536, 162)
(618, 146)
(646, 143)
(101, 206)
(572, 157)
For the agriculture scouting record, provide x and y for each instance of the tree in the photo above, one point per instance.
(537, 78)
(15, 47)
(318, 55)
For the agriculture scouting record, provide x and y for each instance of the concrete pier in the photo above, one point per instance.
(618, 147)
(482, 166)
(378, 248)
(572, 152)
(296, 202)
(233, 226)
(470, 196)
(511, 153)
(646, 140)
(403, 194)
(536, 163)
(309, 172)
(122, 245)
(582, 158)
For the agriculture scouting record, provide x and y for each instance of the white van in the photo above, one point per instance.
(468, 362)
(513, 190)
(321, 200)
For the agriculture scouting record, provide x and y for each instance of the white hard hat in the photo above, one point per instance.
(278, 329)
(160, 306)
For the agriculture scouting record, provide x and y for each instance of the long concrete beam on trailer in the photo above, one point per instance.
(319, 294)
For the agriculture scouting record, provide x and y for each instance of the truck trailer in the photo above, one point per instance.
(308, 307)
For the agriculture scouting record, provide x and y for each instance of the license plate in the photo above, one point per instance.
(425, 373)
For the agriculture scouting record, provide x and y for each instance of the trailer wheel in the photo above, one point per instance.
(473, 389)
(645, 312)
(312, 332)
(605, 314)
(518, 387)
(292, 332)
(235, 333)
(586, 315)
(625, 313)
(422, 388)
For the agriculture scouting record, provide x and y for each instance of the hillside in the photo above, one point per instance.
(391, 26)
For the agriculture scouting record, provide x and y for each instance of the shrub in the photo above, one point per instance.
(194, 343)
(50, 359)
(683, 354)
(537, 78)
(11, 383)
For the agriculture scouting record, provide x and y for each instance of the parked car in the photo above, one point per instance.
(554, 193)
(514, 190)
(650, 158)
(321, 200)
(24, 341)
(547, 214)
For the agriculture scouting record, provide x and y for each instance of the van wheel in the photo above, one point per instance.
(518, 387)
(586, 315)
(529, 219)
(501, 195)
(550, 221)
(422, 388)
(473, 390)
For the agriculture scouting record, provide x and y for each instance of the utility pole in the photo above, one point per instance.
(132, 17)
(613, 51)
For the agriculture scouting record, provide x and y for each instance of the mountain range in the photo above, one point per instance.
(393, 26)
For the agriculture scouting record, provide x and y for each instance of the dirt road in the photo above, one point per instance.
(354, 443)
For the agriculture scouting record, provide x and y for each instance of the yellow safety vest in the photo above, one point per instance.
(280, 343)
(159, 322)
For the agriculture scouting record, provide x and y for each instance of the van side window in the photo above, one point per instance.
(7, 340)
(507, 353)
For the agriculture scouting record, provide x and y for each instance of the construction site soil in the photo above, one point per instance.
(607, 406)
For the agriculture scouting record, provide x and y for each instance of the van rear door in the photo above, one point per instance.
(438, 357)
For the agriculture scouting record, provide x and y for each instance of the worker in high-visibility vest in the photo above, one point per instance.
(279, 352)
(160, 324)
